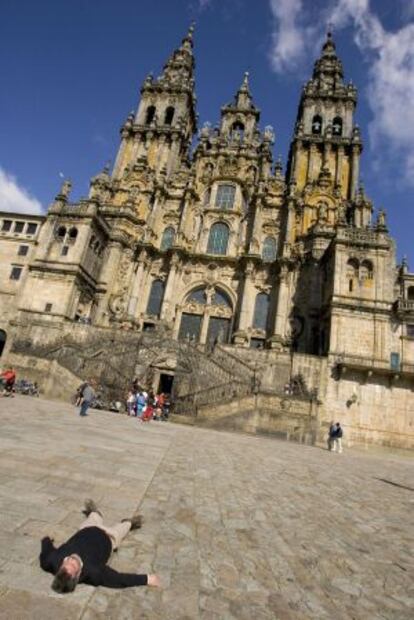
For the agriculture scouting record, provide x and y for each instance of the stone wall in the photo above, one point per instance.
(55, 382)
(372, 410)
(265, 413)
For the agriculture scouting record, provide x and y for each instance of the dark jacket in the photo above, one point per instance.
(339, 432)
(94, 547)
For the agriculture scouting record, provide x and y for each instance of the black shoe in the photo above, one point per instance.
(90, 506)
(136, 521)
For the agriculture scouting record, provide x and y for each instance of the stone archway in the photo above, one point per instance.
(3, 338)
(207, 315)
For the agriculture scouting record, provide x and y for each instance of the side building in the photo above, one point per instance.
(289, 273)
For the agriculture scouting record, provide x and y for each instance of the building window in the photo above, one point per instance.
(337, 126)
(23, 250)
(257, 343)
(48, 307)
(31, 228)
(225, 196)
(410, 293)
(269, 250)
(167, 238)
(6, 226)
(190, 327)
(61, 233)
(395, 361)
(366, 270)
(155, 298)
(169, 115)
(317, 124)
(221, 299)
(352, 269)
(261, 309)
(410, 331)
(15, 273)
(18, 227)
(73, 233)
(198, 295)
(237, 130)
(218, 239)
(65, 250)
(150, 116)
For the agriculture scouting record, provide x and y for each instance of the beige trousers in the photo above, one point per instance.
(116, 533)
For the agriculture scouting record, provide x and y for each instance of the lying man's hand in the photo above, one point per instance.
(154, 580)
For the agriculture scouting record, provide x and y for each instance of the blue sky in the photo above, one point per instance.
(71, 72)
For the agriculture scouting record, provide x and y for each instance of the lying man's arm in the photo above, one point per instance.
(110, 578)
(46, 550)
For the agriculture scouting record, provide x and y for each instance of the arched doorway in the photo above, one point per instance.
(3, 338)
(207, 315)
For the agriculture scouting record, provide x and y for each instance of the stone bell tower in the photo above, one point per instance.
(326, 145)
(160, 132)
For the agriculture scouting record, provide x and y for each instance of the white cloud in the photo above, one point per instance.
(390, 55)
(289, 35)
(16, 198)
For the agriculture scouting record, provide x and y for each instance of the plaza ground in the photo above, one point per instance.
(238, 527)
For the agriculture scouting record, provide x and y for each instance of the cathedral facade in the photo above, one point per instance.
(216, 243)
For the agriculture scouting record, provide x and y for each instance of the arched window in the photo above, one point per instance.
(218, 239)
(366, 270)
(150, 114)
(352, 269)
(61, 233)
(155, 298)
(410, 293)
(317, 124)
(221, 299)
(198, 295)
(237, 130)
(261, 309)
(3, 338)
(73, 233)
(169, 115)
(337, 126)
(269, 249)
(167, 238)
(225, 196)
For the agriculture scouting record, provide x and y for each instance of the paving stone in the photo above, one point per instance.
(238, 527)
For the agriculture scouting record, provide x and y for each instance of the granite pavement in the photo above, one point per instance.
(237, 526)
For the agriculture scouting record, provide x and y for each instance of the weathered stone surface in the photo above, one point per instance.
(238, 527)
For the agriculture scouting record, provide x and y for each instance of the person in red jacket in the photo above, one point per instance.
(9, 377)
(83, 558)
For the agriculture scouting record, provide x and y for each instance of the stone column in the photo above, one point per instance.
(297, 150)
(204, 326)
(171, 289)
(339, 160)
(311, 163)
(282, 308)
(248, 299)
(119, 162)
(326, 155)
(108, 275)
(137, 284)
(354, 170)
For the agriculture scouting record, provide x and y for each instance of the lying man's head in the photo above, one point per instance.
(67, 577)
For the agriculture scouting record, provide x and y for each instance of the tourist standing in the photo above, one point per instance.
(337, 439)
(130, 402)
(88, 396)
(331, 435)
